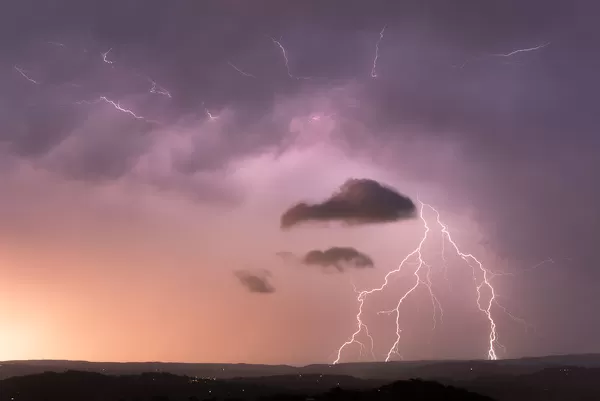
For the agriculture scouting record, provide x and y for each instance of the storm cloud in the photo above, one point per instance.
(358, 201)
(255, 281)
(338, 257)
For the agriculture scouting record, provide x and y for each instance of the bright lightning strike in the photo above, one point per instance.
(285, 58)
(374, 69)
(422, 277)
(244, 73)
(105, 56)
(24, 75)
(486, 308)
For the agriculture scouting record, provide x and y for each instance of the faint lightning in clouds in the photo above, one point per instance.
(117, 106)
(210, 115)
(58, 44)
(529, 49)
(246, 74)
(506, 55)
(24, 75)
(105, 55)
(485, 298)
(285, 58)
(374, 69)
(159, 90)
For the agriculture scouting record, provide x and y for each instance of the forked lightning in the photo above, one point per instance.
(422, 278)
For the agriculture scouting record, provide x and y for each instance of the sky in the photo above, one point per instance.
(149, 149)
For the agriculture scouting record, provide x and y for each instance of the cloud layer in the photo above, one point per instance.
(358, 201)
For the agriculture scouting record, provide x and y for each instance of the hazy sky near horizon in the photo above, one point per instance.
(123, 233)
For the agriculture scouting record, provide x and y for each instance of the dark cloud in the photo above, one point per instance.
(358, 201)
(338, 257)
(256, 281)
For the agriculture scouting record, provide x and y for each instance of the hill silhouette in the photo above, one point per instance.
(77, 386)
(570, 378)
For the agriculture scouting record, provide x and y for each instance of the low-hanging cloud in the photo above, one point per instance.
(256, 281)
(358, 201)
(338, 257)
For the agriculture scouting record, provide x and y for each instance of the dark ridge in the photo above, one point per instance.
(77, 386)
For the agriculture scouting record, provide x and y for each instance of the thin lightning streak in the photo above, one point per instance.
(543, 262)
(285, 58)
(159, 90)
(367, 330)
(244, 73)
(529, 49)
(472, 261)
(118, 107)
(487, 309)
(394, 348)
(513, 317)
(24, 75)
(105, 55)
(363, 294)
(374, 69)
(57, 44)
(506, 55)
(210, 116)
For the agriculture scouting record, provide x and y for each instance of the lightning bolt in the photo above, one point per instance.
(117, 106)
(210, 115)
(244, 73)
(105, 55)
(485, 283)
(506, 55)
(422, 277)
(529, 49)
(159, 90)
(374, 69)
(58, 44)
(24, 75)
(285, 58)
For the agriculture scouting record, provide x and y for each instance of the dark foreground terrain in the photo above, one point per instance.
(78, 386)
(569, 378)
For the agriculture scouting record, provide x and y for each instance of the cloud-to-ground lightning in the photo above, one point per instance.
(374, 68)
(24, 75)
(285, 58)
(244, 73)
(105, 56)
(481, 275)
